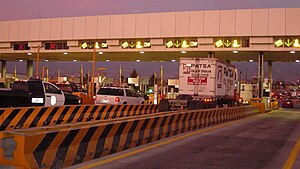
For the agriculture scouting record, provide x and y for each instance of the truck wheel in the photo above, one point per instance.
(163, 105)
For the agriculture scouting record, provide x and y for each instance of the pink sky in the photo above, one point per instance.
(29, 9)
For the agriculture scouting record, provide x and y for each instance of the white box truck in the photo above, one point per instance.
(246, 93)
(208, 79)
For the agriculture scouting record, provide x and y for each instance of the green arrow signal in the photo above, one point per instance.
(90, 45)
(132, 44)
(288, 43)
(227, 43)
(177, 44)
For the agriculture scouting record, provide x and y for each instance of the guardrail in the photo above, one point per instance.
(70, 144)
(27, 117)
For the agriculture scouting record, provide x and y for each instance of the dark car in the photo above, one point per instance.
(287, 104)
(71, 99)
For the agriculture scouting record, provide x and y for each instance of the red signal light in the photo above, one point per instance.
(117, 99)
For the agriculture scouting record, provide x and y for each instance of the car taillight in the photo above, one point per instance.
(207, 100)
(117, 99)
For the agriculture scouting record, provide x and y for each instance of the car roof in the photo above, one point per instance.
(113, 88)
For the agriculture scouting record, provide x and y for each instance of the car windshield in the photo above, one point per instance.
(111, 91)
(65, 87)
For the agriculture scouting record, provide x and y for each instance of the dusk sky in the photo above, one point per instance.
(30, 9)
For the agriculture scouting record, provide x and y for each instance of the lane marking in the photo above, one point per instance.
(292, 157)
(155, 145)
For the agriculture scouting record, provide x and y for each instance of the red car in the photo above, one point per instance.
(287, 104)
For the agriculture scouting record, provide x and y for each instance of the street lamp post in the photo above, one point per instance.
(93, 71)
(37, 62)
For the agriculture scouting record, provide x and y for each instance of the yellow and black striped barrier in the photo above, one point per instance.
(27, 117)
(70, 144)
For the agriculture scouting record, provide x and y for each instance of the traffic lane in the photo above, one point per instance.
(262, 142)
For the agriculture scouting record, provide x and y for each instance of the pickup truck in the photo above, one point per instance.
(33, 92)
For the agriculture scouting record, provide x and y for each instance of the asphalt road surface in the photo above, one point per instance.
(265, 141)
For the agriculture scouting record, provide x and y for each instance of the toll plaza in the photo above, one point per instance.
(255, 35)
(251, 35)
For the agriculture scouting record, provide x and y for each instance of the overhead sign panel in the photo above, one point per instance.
(92, 44)
(178, 43)
(21, 46)
(135, 44)
(287, 42)
(56, 45)
(231, 42)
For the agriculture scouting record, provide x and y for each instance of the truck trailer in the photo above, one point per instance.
(209, 80)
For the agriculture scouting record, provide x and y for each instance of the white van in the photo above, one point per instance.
(115, 95)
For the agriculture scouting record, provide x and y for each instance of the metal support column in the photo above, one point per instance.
(211, 54)
(260, 76)
(270, 80)
(3, 68)
(29, 68)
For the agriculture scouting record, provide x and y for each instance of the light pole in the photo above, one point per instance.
(37, 62)
(93, 70)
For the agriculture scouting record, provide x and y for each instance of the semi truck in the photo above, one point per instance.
(209, 80)
(35, 92)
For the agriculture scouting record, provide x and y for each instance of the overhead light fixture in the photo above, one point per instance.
(142, 52)
(250, 60)
(138, 60)
(292, 51)
(46, 60)
(183, 52)
(29, 53)
(235, 51)
(65, 53)
(107, 60)
(100, 53)
(74, 60)
(297, 61)
(173, 60)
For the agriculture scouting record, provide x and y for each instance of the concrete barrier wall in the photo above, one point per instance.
(27, 117)
(65, 145)
(297, 106)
